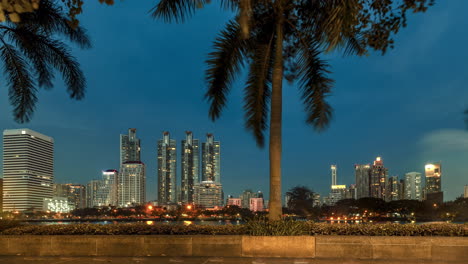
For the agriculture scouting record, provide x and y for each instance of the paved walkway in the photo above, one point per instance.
(191, 260)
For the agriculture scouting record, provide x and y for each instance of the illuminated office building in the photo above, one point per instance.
(28, 169)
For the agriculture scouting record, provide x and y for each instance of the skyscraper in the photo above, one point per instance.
(413, 188)
(132, 184)
(362, 175)
(28, 169)
(433, 189)
(333, 174)
(129, 147)
(190, 153)
(465, 194)
(378, 179)
(167, 177)
(110, 186)
(211, 159)
(392, 189)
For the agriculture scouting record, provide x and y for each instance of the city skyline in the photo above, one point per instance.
(402, 106)
(391, 182)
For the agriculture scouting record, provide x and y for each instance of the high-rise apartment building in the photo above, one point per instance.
(211, 159)
(110, 185)
(28, 169)
(378, 179)
(433, 188)
(208, 194)
(465, 194)
(362, 174)
(167, 177)
(190, 153)
(132, 184)
(129, 147)
(93, 198)
(413, 187)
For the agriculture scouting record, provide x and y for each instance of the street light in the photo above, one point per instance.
(189, 207)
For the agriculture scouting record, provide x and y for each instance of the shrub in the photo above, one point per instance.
(6, 224)
(263, 227)
(254, 228)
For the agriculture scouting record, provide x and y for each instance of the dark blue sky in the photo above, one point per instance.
(405, 106)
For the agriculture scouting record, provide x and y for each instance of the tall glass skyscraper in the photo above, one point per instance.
(28, 169)
(362, 175)
(211, 159)
(190, 153)
(378, 179)
(131, 180)
(129, 147)
(413, 188)
(167, 177)
(132, 184)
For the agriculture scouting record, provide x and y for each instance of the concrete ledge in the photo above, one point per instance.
(396, 249)
(343, 247)
(277, 246)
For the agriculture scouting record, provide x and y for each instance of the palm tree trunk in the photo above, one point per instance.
(275, 205)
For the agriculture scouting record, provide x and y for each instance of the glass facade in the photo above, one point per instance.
(190, 153)
(129, 147)
(211, 159)
(167, 177)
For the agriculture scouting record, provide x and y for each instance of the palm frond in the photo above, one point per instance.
(43, 50)
(21, 89)
(28, 44)
(176, 10)
(258, 92)
(355, 46)
(224, 63)
(50, 19)
(314, 84)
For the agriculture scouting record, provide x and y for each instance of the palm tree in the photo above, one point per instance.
(284, 39)
(31, 50)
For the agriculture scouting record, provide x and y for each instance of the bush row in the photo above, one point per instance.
(255, 228)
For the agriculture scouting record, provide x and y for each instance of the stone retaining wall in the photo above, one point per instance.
(321, 247)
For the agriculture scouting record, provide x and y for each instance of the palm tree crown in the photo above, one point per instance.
(31, 51)
(286, 38)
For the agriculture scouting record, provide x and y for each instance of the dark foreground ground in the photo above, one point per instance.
(194, 260)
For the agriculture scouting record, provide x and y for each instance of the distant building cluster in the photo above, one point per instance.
(373, 180)
(28, 182)
(248, 199)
